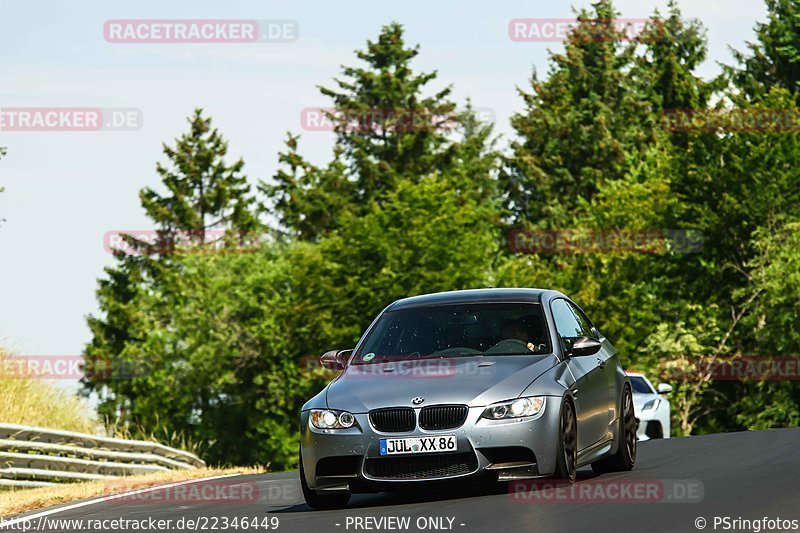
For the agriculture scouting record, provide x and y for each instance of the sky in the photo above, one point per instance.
(65, 190)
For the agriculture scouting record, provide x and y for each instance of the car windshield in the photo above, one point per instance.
(640, 386)
(457, 330)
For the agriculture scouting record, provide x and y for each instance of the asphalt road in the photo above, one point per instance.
(748, 476)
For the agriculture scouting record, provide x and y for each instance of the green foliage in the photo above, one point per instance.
(221, 343)
(725, 186)
(382, 149)
(222, 340)
(308, 200)
(387, 131)
(775, 270)
(425, 237)
(771, 325)
(204, 192)
(580, 126)
(165, 375)
(773, 60)
(673, 350)
(674, 48)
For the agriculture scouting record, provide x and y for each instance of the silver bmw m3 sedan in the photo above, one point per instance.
(479, 385)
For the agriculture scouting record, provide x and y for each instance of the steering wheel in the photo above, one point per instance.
(515, 346)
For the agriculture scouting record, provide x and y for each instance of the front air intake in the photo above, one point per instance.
(422, 466)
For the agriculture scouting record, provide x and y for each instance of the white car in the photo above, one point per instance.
(650, 407)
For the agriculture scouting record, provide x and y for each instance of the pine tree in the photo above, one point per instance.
(308, 200)
(774, 59)
(143, 293)
(204, 192)
(387, 131)
(673, 49)
(743, 193)
(410, 210)
(579, 127)
(394, 131)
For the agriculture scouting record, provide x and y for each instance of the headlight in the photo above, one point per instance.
(651, 405)
(329, 419)
(521, 407)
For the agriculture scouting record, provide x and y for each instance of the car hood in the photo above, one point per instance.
(471, 380)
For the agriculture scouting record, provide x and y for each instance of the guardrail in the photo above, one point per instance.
(35, 457)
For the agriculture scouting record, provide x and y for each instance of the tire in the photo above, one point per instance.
(567, 454)
(654, 430)
(625, 457)
(321, 501)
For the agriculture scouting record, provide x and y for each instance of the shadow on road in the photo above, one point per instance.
(410, 496)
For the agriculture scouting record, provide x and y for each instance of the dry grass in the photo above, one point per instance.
(38, 402)
(163, 435)
(22, 500)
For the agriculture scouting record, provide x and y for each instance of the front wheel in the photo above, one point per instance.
(625, 457)
(567, 459)
(321, 501)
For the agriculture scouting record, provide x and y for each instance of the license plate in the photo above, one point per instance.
(442, 443)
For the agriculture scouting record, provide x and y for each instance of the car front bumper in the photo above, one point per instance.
(651, 425)
(349, 459)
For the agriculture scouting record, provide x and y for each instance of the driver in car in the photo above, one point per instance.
(515, 339)
(513, 329)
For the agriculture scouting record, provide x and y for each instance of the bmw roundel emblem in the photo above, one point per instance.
(417, 400)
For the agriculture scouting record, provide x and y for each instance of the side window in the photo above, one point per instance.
(583, 320)
(570, 322)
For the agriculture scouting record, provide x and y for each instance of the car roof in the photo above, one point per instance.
(473, 295)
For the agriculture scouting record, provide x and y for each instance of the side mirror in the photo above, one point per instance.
(335, 359)
(663, 388)
(584, 346)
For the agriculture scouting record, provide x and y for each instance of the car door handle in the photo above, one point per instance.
(601, 364)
